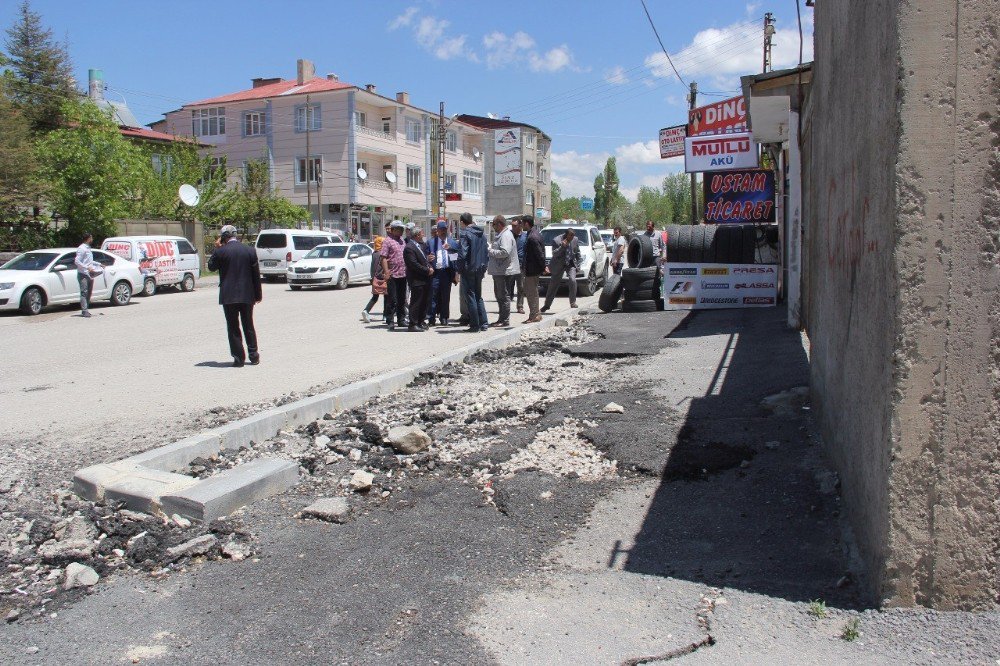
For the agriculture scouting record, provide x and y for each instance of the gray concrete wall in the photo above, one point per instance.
(902, 250)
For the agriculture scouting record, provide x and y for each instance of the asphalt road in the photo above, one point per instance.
(79, 391)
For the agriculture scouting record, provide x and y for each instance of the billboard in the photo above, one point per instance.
(507, 156)
(720, 152)
(729, 115)
(739, 196)
(672, 141)
(708, 286)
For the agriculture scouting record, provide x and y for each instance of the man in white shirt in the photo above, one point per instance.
(659, 247)
(86, 270)
(618, 252)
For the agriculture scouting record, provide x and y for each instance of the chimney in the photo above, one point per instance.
(305, 70)
(95, 84)
(262, 81)
(403, 97)
(370, 87)
(332, 77)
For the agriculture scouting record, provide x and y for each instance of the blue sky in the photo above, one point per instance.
(587, 72)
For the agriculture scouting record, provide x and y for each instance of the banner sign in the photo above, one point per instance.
(697, 286)
(586, 203)
(739, 196)
(729, 115)
(507, 156)
(672, 141)
(720, 152)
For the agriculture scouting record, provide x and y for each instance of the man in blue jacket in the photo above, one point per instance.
(444, 255)
(474, 256)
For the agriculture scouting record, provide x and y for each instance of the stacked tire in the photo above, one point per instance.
(715, 244)
(641, 289)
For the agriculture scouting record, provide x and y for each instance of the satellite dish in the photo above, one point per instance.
(475, 153)
(362, 174)
(390, 176)
(189, 195)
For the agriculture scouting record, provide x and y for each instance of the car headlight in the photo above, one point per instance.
(327, 269)
(4, 286)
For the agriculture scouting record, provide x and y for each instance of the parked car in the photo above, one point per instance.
(277, 249)
(165, 261)
(334, 264)
(608, 236)
(33, 280)
(593, 270)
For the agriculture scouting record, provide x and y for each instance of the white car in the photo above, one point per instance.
(333, 264)
(593, 270)
(277, 249)
(32, 280)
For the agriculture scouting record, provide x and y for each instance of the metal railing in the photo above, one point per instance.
(377, 133)
(371, 184)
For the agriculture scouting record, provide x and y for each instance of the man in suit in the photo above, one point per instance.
(418, 276)
(534, 266)
(239, 289)
(566, 259)
(444, 255)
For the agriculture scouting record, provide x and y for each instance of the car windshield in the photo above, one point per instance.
(549, 235)
(272, 241)
(328, 252)
(30, 261)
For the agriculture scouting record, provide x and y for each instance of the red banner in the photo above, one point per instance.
(729, 115)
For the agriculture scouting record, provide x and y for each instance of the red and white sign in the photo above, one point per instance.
(718, 152)
(729, 115)
(672, 141)
(123, 250)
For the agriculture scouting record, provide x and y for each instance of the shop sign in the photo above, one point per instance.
(672, 141)
(739, 196)
(697, 286)
(729, 115)
(507, 156)
(720, 152)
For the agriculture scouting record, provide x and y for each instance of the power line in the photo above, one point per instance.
(653, 26)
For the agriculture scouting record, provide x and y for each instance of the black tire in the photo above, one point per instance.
(640, 306)
(611, 294)
(32, 301)
(660, 304)
(294, 287)
(633, 277)
(645, 285)
(708, 246)
(187, 284)
(673, 242)
(684, 244)
(639, 252)
(726, 245)
(641, 295)
(121, 293)
(749, 244)
(588, 288)
(342, 279)
(148, 287)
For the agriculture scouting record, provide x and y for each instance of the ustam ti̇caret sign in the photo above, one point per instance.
(720, 152)
(705, 286)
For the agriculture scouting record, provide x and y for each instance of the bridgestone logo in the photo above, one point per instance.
(726, 301)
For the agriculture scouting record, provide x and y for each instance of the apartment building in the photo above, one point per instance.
(522, 183)
(355, 158)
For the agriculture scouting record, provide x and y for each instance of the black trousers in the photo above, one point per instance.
(419, 295)
(237, 314)
(395, 301)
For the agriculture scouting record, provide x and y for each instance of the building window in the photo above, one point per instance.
(314, 166)
(360, 165)
(529, 140)
(387, 124)
(449, 182)
(529, 198)
(386, 170)
(307, 118)
(472, 182)
(360, 119)
(413, 178)
(208, 122)
(543, 176)
(529, 169)
(412, 130)
(162, 164)
(215, 165)
(545, 201)
(451, 141)
(253, 123)
(543, 148)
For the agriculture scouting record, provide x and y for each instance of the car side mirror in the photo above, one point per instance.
(62, 267)
(353, 255)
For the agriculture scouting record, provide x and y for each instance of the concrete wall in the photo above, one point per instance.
(904, 292)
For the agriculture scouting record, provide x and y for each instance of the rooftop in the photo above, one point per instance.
(278, 89)
(485, 122)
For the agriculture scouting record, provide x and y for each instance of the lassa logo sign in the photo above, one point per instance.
(755, 285)
(715, 271)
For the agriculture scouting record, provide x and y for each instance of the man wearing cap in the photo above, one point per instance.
(418, 275)
(504, 268)
(394, 269)
(443, 253)
(239, 290)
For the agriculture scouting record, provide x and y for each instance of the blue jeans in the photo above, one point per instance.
(477, 307)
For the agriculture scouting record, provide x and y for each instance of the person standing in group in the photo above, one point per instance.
(520, 238)
(618, 252)
(239, 290)
(418, 275)
(534, 266)
(443, 254)
(656, 238)
(378, 280)
(566, 259)
(503, 267)
(86, 270)
(394, 269)
(474, 255)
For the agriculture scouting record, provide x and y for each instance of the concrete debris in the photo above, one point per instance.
(330, 509)
(613, 408)
(197, 546)
(321, 441)
(361, 481)
(13, 615)
(180, 521)
(562, 450)
(409, 439)
(237, 550)
(79, 575)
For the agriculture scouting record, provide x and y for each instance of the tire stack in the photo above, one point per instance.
(640, 282)
(714, 244)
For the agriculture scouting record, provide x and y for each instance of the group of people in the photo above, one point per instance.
(415, 276)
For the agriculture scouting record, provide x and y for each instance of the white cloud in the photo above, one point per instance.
(616, 76)
(503, 49)
(552, 61)
(647, 152)
(429, 30)
(451, 48)
(403, 19)
(575, 172)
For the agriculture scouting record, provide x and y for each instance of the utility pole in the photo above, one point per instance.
(694, 176)
(768, 34)
(319, 198)
(309, 165)
(440, 212)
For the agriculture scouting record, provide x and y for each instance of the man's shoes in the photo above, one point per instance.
(392, 327)
(86, 314)
(500, 324)
(444, 322)
(573, 305)
(255, 360)
(464, 321)
(430, 323)
(484, 329)
(416, 328)
(365, 317)
(238, 363)
(520, 311)
(535, 319)
(545, 308)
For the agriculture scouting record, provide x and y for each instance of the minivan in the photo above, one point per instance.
(277, 249)
(165, 261)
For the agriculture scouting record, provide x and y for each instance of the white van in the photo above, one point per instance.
(164, 260)
(277, 249)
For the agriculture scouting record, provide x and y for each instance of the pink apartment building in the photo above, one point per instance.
(357, 159)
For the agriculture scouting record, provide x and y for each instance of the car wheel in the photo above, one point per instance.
(187, 284)
(121, 294)
(149, 287)
(294, 287)
(32, 301)
(342, 280)
(589, 288)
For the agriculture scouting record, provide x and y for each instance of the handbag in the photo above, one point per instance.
(379, 287)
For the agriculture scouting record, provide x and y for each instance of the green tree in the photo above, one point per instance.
(254, 205)
(654, 205)
(600, 197)
(38, 71)
(96, 175)
(168, 166)
(567, 208)
(677, 189)
(20, 184)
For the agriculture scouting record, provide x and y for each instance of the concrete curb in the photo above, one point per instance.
(148, 482)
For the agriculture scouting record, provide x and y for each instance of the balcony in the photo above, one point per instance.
(377, 133)
(371, 184)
